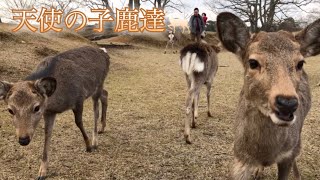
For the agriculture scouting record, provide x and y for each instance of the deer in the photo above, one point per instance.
(171, 40)
(59, 83)
(275, 98)
(199, 63)
(183, 23)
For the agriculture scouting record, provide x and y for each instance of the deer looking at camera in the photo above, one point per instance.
(200, 64)
(171, 40)
(59, 83)
(275, 97)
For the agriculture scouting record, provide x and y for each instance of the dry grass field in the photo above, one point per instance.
(144, 137)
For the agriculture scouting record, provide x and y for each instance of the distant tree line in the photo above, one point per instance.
(266, 15)
(288, 24)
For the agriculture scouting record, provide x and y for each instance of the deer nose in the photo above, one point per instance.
(286, 104)
(23, 141)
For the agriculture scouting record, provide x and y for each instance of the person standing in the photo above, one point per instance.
(197, 25)
(205, 18)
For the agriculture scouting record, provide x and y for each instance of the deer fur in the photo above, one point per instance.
(58, 84)
(200, 64)
(275, 97)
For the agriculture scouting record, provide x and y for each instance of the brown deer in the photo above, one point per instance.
(59, 83)
(275, 97)
(200, 64)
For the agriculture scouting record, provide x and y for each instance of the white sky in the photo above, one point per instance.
(187, 11)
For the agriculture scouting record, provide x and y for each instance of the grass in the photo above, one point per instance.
(144, 137)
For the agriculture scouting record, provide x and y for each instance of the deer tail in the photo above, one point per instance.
(191, 63)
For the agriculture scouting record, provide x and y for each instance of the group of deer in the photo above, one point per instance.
(273, 102)
(274, 99)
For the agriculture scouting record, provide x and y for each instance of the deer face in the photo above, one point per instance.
(273, 64)
(272, 75)
(26, 102)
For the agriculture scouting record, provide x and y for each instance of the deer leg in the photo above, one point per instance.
(195, 108)
(208, 98)
(96, 117)
(241, 171)
(188, 29)
(175, 46)
(78, 119)
(189, 113)
(258, 172)
(172, 48)
(190, 108)
(296, 171)
(104, 104)
(284, 168)
(48, 126)
(165, 50)
(188, 82)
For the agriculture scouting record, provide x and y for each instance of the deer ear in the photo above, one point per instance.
(46, 85)
(309, 39)
(233, 32)
(4, 89)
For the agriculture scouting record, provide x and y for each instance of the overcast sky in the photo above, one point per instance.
(187, 11)
(189, 6)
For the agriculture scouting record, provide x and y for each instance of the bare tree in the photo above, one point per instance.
(94, 4)
(163, 4)
(134, 4)
(259, 12)
(8, 5)
(130, 4)
(65, 5)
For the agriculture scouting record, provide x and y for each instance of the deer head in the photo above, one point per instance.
(273, 64)
(26, 102)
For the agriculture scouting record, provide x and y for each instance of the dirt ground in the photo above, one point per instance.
(144, 137)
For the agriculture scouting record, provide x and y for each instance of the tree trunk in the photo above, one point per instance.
(159, 4)
(256, 16)
(270, 16)
(137, 4)
(130, 4)
(0, 20)
(107, 5)
(155, 3)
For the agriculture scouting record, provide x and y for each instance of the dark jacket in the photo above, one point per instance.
(193, 24)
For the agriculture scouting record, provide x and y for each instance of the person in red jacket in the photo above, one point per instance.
(204, 17)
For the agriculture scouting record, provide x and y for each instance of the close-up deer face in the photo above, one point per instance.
(26, 101)
(273, 69)
(273, 64)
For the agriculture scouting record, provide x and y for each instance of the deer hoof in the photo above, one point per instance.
(41, 178)
(193, 125)
(101, 131)
(209, 114)
(188, 140)
(165, 53)
(89, 149)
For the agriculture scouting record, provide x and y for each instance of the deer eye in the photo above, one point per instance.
(36, 109)
(254, 64)
(300, 65)
(11, 111)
